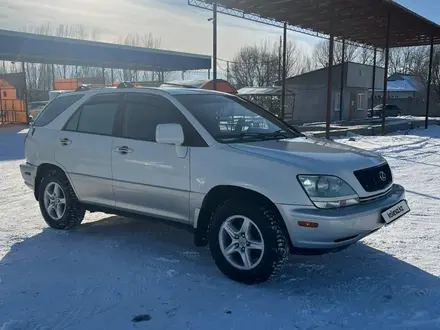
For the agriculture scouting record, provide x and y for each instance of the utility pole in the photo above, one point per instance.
(279, 59)
(227, 71)
(214, 50)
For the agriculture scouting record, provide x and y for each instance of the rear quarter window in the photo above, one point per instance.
(55, 108)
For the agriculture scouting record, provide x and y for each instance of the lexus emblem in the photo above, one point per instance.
(382, 176)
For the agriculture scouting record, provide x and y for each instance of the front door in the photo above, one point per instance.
(149, 177)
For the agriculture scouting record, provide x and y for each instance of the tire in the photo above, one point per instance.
(267, 262)
(73, 213)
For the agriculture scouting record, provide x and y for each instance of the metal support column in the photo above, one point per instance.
(341, 96)
(283, 91)
(267, 73)
(279, 59)
(103, 76)
(373, 87)
(53, 77)
(214, 47)
(112, 77)
(385, 76)
(428, 89)
(328, 116)
(25, 92)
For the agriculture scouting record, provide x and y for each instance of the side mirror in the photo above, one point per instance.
(170, 134)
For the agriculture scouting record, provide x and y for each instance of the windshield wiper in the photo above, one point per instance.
(244, 135)
(280, 134)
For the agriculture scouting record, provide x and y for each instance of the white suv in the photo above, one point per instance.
(250, 185)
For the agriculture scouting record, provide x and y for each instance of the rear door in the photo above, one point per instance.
(84, 148)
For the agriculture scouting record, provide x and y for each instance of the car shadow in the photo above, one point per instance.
(12, 142)
(104, 272)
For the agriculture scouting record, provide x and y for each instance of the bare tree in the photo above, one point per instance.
(419, 66)
(404, 60)
(321, 53)
(41, 76)
(365, 56)
(261, 65)
(246, 67)
(146, 40)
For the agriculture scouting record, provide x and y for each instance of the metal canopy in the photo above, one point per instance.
(361, 21)
(33, 48)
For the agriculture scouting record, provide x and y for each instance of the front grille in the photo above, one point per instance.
(375, 178)
(373, 198)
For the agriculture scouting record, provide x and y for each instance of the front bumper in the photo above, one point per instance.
(337, 228)
(28, 172)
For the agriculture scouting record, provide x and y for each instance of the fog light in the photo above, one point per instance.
(308, 224)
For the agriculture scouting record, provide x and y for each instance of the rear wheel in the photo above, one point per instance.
(247, 242)
(58, 203)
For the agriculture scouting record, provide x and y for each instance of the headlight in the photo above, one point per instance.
(327, 191)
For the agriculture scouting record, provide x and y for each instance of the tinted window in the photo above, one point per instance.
(97, 118)
(55, 108)
(35, 105)
(231, 119)
(144, 112)
(72, 124)
(106, 98)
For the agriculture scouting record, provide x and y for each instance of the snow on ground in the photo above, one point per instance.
(112, 269)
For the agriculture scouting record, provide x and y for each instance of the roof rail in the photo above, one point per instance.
(177, 85)
(82, 88)
(126, 84)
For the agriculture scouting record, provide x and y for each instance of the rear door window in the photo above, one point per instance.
(98, 118)
(55, 108)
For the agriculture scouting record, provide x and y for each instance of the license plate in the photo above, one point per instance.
(395, 212)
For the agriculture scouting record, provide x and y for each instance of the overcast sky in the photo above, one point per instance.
(181, 28)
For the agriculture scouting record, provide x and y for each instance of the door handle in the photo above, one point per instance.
(65, 142)
(123, 150)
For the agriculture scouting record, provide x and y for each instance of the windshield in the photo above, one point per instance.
(230, 119)
(378, 107)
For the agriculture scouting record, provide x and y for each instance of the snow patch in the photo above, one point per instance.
(111, 269)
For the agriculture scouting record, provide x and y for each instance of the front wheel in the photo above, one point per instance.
(247, 242)
(58, 202)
